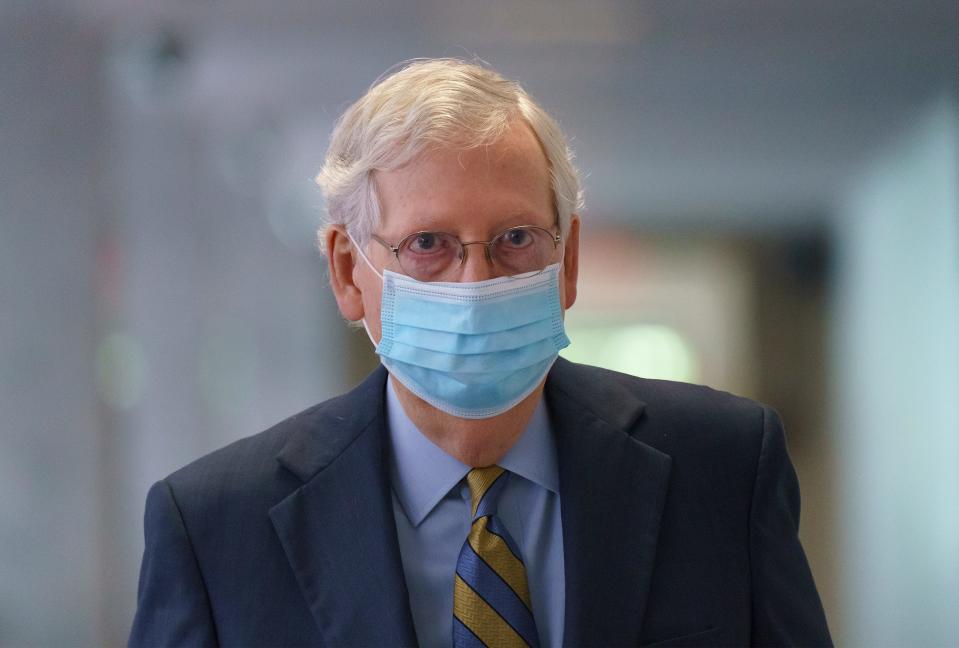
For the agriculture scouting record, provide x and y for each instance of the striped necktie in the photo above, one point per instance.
(491, 604)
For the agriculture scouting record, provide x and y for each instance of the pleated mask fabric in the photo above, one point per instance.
(476, 349)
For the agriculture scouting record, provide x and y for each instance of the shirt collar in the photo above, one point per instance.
(422, 473)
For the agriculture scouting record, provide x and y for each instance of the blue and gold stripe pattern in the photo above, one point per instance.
(491, 603)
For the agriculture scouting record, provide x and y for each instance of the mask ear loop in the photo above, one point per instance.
(368, 334)
(363, 255)
(375, 271)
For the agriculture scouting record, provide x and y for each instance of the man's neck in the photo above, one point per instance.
(475, 442)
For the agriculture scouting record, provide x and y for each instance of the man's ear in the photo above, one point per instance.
(342, 260)
(571, 262)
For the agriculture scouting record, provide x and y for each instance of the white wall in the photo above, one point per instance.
(896, 366)
(49, 442)
(159, 297)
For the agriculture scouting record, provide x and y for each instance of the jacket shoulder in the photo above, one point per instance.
(310, 438)
(671, 416)
(601, 388)
(245, 466)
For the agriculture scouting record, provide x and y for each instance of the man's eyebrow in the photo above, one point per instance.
(450, 223)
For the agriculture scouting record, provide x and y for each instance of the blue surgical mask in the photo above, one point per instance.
(473, 350)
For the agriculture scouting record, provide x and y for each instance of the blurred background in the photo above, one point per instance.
(772, 209)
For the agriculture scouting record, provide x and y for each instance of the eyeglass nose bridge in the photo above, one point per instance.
(487, 251)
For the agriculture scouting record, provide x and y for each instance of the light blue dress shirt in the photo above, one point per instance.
(432, 512)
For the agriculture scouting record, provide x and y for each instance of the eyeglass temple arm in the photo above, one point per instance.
(395, 249)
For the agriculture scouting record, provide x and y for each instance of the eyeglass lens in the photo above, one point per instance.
(435, 256)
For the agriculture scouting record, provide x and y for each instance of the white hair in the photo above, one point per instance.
(432, 103)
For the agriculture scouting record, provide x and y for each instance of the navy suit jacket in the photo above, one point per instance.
(680, 511)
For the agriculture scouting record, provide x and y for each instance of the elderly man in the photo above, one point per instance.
(476, 490)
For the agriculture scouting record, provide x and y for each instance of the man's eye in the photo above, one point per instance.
(517, 238)
(425, 242)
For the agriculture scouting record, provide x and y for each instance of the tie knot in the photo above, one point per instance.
(485, 484)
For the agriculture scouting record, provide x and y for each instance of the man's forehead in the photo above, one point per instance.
(467, 196)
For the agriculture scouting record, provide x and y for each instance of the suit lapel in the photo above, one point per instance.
(338, 529)
(339, 533)
(612, 490)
